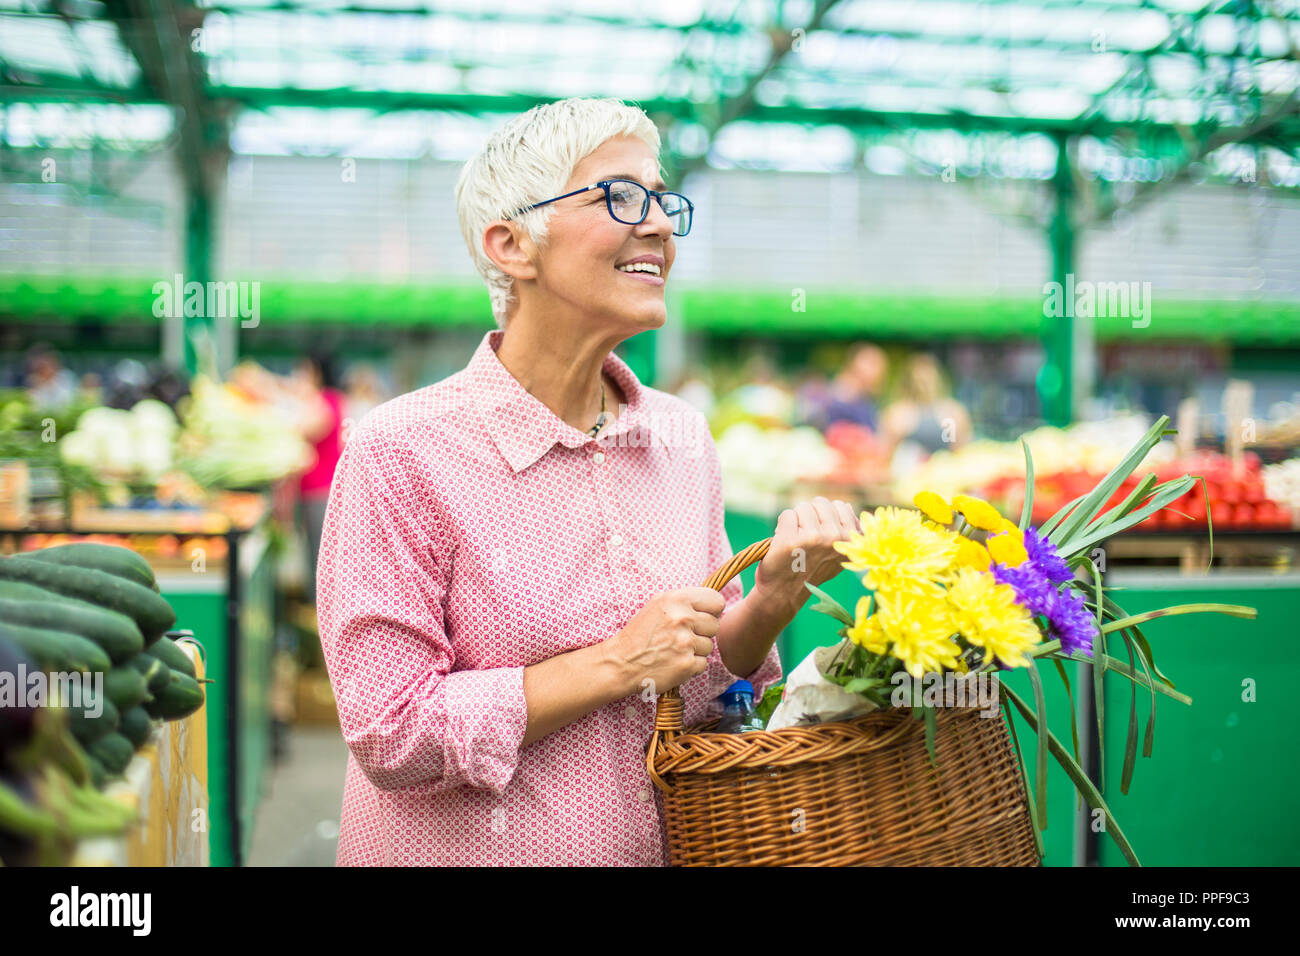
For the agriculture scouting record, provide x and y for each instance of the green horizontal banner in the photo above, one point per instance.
(720, 309)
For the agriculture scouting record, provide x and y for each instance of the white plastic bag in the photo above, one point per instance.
(809, 698)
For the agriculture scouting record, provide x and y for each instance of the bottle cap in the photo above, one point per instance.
(740, 687)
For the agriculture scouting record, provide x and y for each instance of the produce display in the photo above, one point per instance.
(1282, 484)
(88, 618)
(1236, 496)
(760, 465)
(1091, 448)
(232, 439)
(131, 447)
(155, 547)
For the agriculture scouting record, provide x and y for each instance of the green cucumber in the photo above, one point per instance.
(19, 591)
(88, 729)
(126, 687)
(167, 651)
(98, 772)
(113, 751)
(181, 697)
(154, 670)
(58, 650)
(112, 558)
(147, 608)
(136, 726)
(116, 633)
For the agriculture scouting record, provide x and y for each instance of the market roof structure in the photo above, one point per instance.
(1164, 90)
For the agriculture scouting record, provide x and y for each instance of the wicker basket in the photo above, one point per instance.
(856, 792)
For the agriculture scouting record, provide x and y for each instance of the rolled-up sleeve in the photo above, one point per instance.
(409, 718)
(719, 678)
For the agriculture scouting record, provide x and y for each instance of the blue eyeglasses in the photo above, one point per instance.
(628, 202)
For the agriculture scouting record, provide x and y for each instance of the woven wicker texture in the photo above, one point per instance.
(857, 792)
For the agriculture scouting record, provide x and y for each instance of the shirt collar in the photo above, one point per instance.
(524, 429)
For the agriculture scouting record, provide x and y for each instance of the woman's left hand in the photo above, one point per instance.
(801, 549)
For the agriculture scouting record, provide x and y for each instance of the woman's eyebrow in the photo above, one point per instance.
(660, 186)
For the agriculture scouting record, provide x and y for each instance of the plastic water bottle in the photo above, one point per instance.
(738, 715)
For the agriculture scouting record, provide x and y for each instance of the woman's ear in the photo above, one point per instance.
(514, 253)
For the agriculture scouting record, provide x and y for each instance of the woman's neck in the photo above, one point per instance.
(562, 371)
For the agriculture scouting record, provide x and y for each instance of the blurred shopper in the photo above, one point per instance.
(168, 385)
(812, 396)
(855, 390)
(90, 390)
(316, 385)
(49, 384)
(924, 419)
(764, 396)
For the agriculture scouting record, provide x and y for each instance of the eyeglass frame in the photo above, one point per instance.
(654, 194)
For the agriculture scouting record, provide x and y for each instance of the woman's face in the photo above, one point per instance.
(576, 270)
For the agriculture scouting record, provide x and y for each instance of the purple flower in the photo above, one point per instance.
(1067, 616)
(1032, 588)
(1073, 623)
(1043, 553)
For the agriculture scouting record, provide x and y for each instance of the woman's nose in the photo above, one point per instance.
(656, 221)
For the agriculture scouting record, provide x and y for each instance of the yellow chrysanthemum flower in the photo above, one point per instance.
(986, 614)
(972, 554)
(919, 631)
(1008, 549)
(866, 631)
(898, 553)
(978, 512)
(1013, 529)
(933, 507)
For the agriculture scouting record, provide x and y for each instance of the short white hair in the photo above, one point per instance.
(530, 159)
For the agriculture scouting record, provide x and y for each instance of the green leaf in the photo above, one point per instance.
(1028, 509)
(767, 703)
(1098, 673)
(1099, 495)
(1024, 776)
(1116, 612)
(1074, 724)
(1081, 781)
(1040, 759)
(828, 605)
(1234, 610)
(1149, 739)
(1130, 740)
(1162, 496)
(1139, 493)
(1051, 523)
(1119, 667)
(859, 684)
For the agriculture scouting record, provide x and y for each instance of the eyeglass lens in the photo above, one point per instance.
(630, 202)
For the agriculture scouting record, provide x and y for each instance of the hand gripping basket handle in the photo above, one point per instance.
(668, 712)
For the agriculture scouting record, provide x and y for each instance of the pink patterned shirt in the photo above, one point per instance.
(470, 532)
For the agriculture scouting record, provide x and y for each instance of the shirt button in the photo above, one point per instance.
(629, 711)
(644, 796)
(616, 540)
(598, 458)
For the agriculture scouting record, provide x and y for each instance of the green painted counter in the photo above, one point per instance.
(1220, 786)
(238, 718)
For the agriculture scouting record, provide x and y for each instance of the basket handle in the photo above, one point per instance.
(668, 709)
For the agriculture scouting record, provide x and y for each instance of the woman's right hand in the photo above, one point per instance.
(668, 641)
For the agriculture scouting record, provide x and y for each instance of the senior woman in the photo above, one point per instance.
(512, 557)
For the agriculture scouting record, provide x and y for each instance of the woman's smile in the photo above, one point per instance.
(642, 277)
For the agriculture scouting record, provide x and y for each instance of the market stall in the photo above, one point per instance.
(191, 492)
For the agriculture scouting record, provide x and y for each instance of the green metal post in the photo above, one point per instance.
(198, 268)
(1056, 378)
